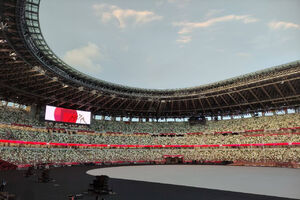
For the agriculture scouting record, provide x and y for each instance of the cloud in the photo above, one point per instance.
(188, 27)
(84, 57)
(279, 25)
(123, 16)
(184, 39)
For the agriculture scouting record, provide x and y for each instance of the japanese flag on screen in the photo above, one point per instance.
(67, 115)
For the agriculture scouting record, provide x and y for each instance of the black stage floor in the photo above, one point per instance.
(74, 180)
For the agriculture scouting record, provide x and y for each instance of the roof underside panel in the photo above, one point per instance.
(30, 73)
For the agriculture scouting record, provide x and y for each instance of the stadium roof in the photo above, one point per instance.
(32, 74)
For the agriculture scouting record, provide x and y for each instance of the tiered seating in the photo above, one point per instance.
(233, 125)
(262, 139)
(17, 116)
(21, 156)
(12, 132)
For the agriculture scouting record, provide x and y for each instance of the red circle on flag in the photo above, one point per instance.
(65, 115)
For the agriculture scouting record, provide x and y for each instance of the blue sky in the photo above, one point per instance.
(171, 43)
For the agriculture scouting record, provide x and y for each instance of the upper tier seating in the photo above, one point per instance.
(13, 115)
(12, 132)
(234, 125)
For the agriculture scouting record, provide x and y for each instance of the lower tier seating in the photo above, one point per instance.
(20, 155)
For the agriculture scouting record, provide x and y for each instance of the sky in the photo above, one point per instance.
(168, 44)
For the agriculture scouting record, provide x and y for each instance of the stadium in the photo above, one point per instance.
(53, 116)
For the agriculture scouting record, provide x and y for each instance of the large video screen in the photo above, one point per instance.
(58, 114)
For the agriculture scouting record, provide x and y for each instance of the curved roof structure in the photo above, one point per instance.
(32, 74)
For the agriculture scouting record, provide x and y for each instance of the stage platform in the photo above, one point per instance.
(279, 182)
